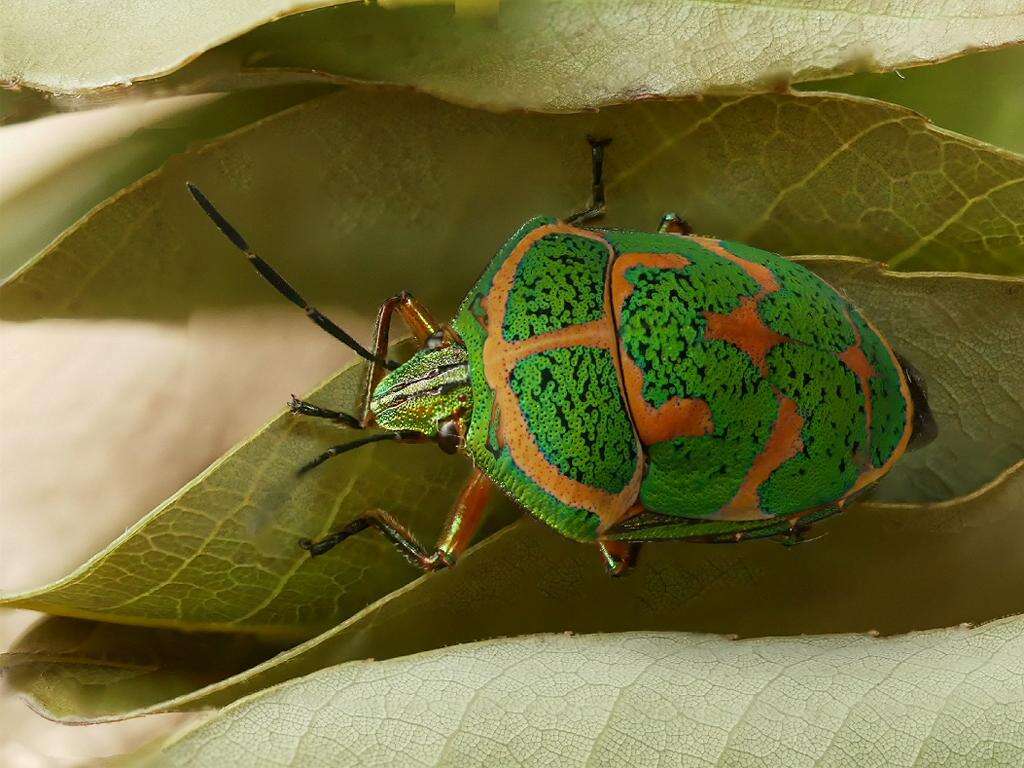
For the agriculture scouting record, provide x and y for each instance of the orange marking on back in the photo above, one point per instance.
(501, 356)
(596, 333)
(744, 329)
(678, 417)
(869, 477)
(764, 276)
(783, 444)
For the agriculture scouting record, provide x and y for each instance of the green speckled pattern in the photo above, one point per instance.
(663, 330)
(663, 324)
(572, 403)
(697, 476)
(830, 401)
(561, 284)
(805, 308)
(542, 404)
(782, 337)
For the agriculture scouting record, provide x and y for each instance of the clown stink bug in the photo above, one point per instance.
(633, 386)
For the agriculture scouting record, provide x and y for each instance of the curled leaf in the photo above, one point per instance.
(94, 667)
(223, 555)
(948, 697)
(64, 46)
(34, 216)
(980, 95)
(554, 55)
(367, 212)
(891, 568)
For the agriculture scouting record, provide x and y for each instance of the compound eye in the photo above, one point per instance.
(449, 436)
(436, 339)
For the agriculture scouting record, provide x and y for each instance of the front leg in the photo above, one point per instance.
(423, 326)
(459, 529)
(297, 406)
(418, 319)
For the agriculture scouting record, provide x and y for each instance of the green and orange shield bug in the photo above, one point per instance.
(629, 386)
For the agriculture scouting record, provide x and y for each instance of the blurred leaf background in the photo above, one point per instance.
(138, 348)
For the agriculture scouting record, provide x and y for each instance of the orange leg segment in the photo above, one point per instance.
(459, 529)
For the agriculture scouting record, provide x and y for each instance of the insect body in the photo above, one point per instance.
(632, 386)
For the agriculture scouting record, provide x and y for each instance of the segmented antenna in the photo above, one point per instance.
(283, 286)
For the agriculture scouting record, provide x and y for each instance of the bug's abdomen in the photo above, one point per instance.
(755, 388)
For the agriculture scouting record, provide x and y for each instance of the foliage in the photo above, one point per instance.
(356, 192)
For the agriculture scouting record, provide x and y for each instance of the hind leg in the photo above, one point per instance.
(675, 224)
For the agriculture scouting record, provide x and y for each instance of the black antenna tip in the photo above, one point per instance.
(198, 195)
(221, 223)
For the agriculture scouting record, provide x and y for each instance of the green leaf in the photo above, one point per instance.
(93, 667)
(35, 215)
(981, 95)
(538, 54)
(345, 201)
(222, 554)
(949, 697)
(965, 334)
(892, 568)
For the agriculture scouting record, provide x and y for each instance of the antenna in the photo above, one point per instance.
(283, 286)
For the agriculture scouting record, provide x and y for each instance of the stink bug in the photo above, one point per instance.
(630, 386)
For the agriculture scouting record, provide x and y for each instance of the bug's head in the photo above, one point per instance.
(923, 428)
(429, 394)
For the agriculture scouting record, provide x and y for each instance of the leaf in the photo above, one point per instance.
(885, 567)
(792, 173)
(569, 55)
(35, 215)
(93, 667)
(949, 697)
(222, 554)
(963, 333)
(552, 55)
(65, 46)
(980, 95)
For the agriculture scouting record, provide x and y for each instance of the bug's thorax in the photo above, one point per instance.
(429, 394)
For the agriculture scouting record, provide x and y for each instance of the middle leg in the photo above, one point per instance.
(459, 529)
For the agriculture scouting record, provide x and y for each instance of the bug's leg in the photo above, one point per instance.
(675, 224)
(460, 527)
(418, 319)
(422, 324)
(797, 534)
(303, 408)
(618, 556)
(337, 450)
(597, 202)
(283, 287)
